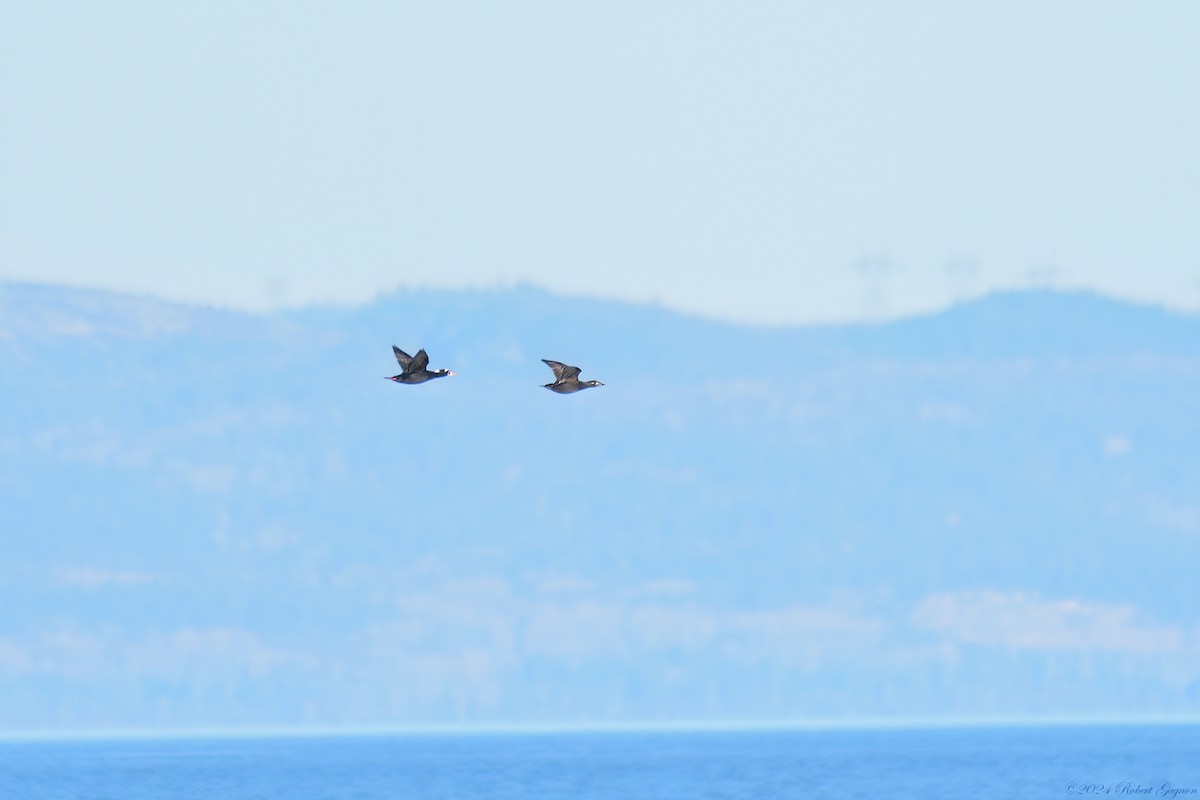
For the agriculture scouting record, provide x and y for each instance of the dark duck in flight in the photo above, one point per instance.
(566, 379)
(415, 369)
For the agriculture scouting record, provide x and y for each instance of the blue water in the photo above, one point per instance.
(1002, 762)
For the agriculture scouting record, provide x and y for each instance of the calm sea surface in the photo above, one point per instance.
(1003, 762)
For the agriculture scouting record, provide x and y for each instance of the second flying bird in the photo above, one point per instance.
(566, 379)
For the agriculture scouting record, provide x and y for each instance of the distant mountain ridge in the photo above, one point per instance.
(1023, 318)
(225, 518)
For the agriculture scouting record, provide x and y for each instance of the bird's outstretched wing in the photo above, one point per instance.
(403, 358)
(561, 371)
(419, 362)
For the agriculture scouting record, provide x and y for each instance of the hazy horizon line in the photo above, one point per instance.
(501, 286)
(583, 728)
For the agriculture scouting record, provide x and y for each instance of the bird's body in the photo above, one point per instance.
(415, 369)
(566, 379)
(570, 387)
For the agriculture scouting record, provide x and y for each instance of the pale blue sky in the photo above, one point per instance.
(771, 162)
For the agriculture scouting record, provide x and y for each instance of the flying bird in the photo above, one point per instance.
(566, 379)
(415, 369)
